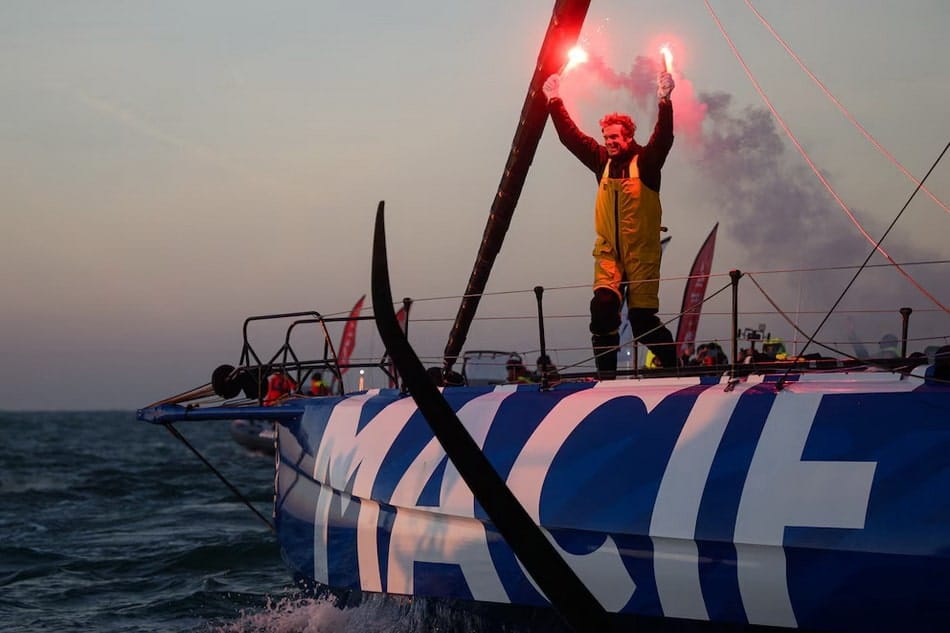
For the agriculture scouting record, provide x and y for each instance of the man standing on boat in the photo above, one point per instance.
(627, 216)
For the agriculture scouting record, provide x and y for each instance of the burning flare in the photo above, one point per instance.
(667, 54)
(575, 57)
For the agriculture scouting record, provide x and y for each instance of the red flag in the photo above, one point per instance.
(693, 295)
(401, 318)
(348, 340)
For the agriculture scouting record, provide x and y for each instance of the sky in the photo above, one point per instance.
(171, 168)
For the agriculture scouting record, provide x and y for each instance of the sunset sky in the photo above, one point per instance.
(170, 168)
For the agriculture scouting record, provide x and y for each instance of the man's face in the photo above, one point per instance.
(614, 140)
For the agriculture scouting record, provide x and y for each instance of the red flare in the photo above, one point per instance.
(575, 57)
(667, 54)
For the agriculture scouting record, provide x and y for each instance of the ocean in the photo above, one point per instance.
(110, 524)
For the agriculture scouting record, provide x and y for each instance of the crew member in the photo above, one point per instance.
(318, 387)
(774, 348)
(278, 385)
(544, 367)
(627, 215)
(517, 372)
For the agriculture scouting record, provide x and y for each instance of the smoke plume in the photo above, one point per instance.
(771, 205)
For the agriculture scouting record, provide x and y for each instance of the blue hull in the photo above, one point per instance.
(824, 506)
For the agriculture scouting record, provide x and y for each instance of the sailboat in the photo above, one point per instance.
(805, 494)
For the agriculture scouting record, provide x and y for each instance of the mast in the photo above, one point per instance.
(562, 33)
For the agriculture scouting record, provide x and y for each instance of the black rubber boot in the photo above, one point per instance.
(666, 354)
(662, 346)
(649, 330)
(605, 355)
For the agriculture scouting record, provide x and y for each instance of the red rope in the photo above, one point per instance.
(845, 111)
(814, 168)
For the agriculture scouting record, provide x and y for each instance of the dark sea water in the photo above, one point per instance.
(110, 524)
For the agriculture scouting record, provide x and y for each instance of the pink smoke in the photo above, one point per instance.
(640, 84)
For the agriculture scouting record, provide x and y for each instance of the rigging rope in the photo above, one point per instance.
(821, 269)
(585, 285)
(635, 340)
(871, 254)
(792, 323)
(177, 434)
(844, 110)
(814, 168)
(771, 271)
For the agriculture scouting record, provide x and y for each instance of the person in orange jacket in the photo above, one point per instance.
(318, 387)
(278, 385)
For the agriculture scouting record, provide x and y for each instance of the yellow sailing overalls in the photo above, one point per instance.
(627, 217)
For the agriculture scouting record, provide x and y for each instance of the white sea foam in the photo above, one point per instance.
(296, 615)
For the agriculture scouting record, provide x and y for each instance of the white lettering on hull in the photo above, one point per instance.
(344, 453)
(602, 570)
(421, 536)
(673, 523)
(781, 491)
(436, 535)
